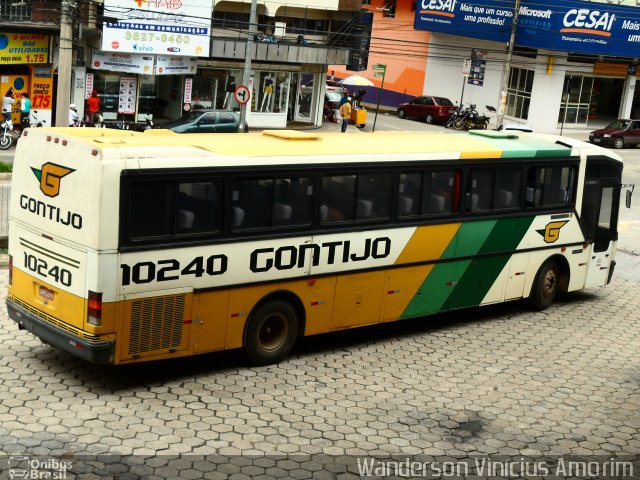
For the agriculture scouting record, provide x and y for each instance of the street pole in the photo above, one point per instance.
(506, 68)
(63, 92)
(382, 71)
(248, 56)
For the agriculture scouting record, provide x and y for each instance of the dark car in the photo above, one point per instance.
(618, 133)
(427, 108)
(331, 105)
(205, 121)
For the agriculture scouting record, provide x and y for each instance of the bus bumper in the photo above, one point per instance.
(91, 351)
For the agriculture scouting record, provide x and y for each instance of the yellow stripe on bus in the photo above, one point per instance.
(428, 243)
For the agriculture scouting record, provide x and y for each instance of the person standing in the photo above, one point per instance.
(93, 102)
(345, 112)
(25, 110)
(7, 104)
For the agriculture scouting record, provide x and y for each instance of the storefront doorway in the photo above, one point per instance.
(589, 101)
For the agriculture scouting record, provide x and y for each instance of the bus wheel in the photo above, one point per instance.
(270, 333)
(545, 286)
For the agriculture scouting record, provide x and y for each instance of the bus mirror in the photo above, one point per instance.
(629, 193)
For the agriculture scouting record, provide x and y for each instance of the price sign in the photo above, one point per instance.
(242, 94)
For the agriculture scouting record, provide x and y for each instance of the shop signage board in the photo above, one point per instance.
(467, 18)
(188, 90)
(596, 28)
(127, 95)
(172, 65)
(162, 27)
(122, 62)
(567, 25)
(23, 48)
(88, 86)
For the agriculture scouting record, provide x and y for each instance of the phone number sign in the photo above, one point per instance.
(168, 27)
(23, 48)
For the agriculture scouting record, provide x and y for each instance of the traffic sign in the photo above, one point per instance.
(378, 74)
(379, 66)
(242, 94)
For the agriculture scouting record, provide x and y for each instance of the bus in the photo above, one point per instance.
(127, 247)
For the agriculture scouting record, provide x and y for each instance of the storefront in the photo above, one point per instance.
(25, 69)
(574, 65)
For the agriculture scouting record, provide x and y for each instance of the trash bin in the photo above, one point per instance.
(358, 117)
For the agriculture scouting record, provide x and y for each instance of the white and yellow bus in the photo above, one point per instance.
(127, 247)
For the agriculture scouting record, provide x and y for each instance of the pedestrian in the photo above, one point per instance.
(345, 112)
(93, 102)
(74, 118)
(25, 110)
(332, 77)
(7, 104)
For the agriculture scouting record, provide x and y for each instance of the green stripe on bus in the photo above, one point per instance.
(511, 148)
(545, 148)
(478, 278)
(440, 292)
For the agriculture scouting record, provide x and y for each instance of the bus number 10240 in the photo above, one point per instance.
(40, 266)
(167, 270)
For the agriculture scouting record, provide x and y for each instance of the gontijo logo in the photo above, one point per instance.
(444, 8)
(551, 232)
(592, 22)
(50, 176)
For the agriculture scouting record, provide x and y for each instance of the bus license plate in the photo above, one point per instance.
(46, 294)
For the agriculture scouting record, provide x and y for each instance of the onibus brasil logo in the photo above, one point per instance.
(50, 176)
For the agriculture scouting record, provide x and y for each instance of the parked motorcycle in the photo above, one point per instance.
(6, 138)
(456, 115)
(469, 119)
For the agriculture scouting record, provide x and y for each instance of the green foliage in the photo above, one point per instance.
(6, 167)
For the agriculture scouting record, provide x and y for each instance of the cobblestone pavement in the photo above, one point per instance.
(497, 380)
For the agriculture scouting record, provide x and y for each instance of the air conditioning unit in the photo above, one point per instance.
(280, 29)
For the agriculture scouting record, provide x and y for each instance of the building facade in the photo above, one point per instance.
(574, 63)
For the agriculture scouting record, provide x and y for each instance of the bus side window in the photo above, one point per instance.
(338, 198)
(507, 188)
(480, 190)
(550, 186)
(438, 191)
(150, 209)
(409, 194)
(252, 203)
(374, 192)
(292, 201)
(198, 207)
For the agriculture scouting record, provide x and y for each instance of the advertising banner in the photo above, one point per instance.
(168, 27)
(478, 67)
(469, 18)
(122, 62)
(574, 26)
(567, 25)
(23, 48)
(127, 95)
(169, 65)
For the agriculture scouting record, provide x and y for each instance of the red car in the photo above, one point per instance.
(427, 108)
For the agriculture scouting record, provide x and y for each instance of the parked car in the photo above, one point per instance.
(205, 121)
(619, 133)
(428, 108)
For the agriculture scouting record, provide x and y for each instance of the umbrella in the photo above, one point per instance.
(357, 81)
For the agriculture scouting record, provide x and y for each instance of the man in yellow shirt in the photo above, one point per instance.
(345, 112)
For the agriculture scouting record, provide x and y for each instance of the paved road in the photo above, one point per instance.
(497, 380)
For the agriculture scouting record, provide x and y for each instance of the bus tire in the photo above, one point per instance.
(546, 286)
(271, 332)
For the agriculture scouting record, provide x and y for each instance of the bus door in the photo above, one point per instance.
(600, 203)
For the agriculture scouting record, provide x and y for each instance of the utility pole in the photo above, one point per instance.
(63, 92)
(248, 56)
(506, 68)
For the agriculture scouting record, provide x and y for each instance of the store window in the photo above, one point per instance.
(214, 89)
(270, 92)
(519, 92)
(576, 99)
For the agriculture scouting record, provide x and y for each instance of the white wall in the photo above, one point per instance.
(444, 70)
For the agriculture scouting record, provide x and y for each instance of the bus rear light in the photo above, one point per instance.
(94, 308)
(10, 269)
(56, 140)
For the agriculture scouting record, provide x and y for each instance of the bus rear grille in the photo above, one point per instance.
(156, 324)
(54, 321)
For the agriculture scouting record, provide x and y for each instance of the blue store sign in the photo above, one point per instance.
(472, 18)
(569, 26)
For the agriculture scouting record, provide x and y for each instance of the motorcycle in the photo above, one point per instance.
(456, 115)
(6, 138)
(31, 122)
(471, 119)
